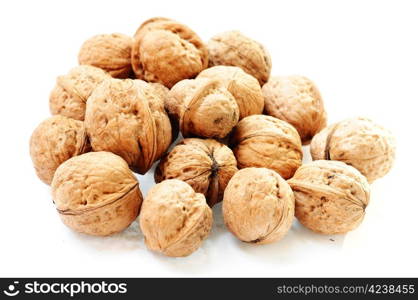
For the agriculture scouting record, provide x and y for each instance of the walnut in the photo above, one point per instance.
(69, 96)
(96, 193)
(264, 141)
(127, 117)
(55, 140)
(232, 48)
(166, 51)
(110, 52)
(206, 165)
(174, 219)
(244, 87)
(258, 206)
(358, 142)
(296, 100)
(203, 108)
(331, 196)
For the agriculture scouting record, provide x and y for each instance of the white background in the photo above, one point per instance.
(363, 57)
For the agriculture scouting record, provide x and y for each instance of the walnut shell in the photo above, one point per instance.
(127, 117)
(55, 140)
(331, 196)
(166, 51)
(110, 52)
(358, 142)
(296, 100)
(264, 141)
(96, 193)
(203, 108)
(174, 218)
(232, 48)
(69, 96)
(244, 87)
(206, 165)
(258, 206)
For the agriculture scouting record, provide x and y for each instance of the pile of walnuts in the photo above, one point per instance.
(119, 111)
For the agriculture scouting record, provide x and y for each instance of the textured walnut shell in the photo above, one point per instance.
(258, 206)
(166, 51)
(331, 196)
(296, 100)
(96, 193)
(127, 117)
(244, 87)
(55, 140)
(69, 96)
(110, 52)
(206, 165)
(358, 142)
(264, 141)
(203, 108)
(174, 218)
(232, 48)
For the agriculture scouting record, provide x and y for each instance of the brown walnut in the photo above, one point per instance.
(244, 87)
(358, 142)
(331, 196)
(55, 140)
(174, 218)
(127, 117)
(206, 165)
(296, 100)
(69, 96)
(110, 52)
(264, 141)
(202, 107)
(232, 48)
(96, 193)
(258, 206)
(166, 51)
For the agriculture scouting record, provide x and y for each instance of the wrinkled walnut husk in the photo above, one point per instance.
(96, 193)
(174, 218)
(206, 165)
(244, 87)
(166, 51)
(203, 108)
(331, 196)
(69, 96)
(264, 141)
(258, 206)
(358, 142)
(55, 140)
(296, 100)
(110, 52)
(232, 48)
(127, 117)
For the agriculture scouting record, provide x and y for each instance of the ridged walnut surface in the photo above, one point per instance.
(264, 141)
(127, 117)
(166, 51)
(96, 193)
(258, 206)
(358, 142)
(244, 87)
(206, 165)
(296, 100)
(55, 140)
(174, 218)
(203, 108)
(331, 197)
(110, 52)
(232, 48)
(69, 96)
